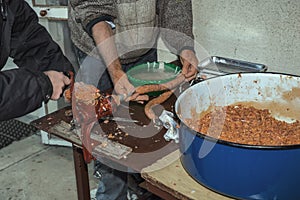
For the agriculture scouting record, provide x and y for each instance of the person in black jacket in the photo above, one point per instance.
(41, 63)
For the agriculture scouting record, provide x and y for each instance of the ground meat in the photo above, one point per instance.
(90, 102)
(247, 125)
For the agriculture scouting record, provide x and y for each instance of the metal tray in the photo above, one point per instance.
(227, 65)
(215, 66)
(231, 65)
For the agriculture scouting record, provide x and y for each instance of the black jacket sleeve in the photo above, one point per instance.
(31, 45)
(24, 89)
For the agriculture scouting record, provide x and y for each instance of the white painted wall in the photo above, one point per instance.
(262, 31)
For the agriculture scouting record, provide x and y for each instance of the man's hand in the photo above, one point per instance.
(189, 63)
(123, 87)
(59, 81)
(121, 83)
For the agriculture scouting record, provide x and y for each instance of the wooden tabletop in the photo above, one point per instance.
(169, 175)
(144, 137)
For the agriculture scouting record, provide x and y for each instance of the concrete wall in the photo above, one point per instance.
(262, 31)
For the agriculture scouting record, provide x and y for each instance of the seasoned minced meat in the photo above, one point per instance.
(246, 125)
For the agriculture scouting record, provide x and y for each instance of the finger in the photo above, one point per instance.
(132, 97)
(119, 89)
(123, 92)
(140, 102)
(122, 85)
(191, 73)
(191, 78)
(137, 97)
(56, 95)
(142, 98)
(130, 88)
(66, 80)
(185, 66)
(194, 62)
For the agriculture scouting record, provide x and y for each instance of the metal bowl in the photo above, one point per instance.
(237, 170)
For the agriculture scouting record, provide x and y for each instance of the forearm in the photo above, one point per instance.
(102, 35)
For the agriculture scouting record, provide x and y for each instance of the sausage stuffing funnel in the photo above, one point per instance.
(237, 170)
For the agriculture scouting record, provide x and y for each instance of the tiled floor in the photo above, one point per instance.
(30, 170)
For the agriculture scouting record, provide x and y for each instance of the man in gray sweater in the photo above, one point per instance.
(93, 22)
(114, 35)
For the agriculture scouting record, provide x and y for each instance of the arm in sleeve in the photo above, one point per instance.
(177, 17)
(89, 13)
(22, 91)
(31, 44)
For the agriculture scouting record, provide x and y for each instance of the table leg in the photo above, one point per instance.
(81, 172)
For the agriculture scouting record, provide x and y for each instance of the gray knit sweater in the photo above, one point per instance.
(134, 20)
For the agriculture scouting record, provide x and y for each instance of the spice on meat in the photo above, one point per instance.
(246, 125)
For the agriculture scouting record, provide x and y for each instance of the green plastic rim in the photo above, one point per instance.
(168, 67)
(153, 65)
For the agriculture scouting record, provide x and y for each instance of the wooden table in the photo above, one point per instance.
(148, 153)
(168, 179)
(149, 142)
